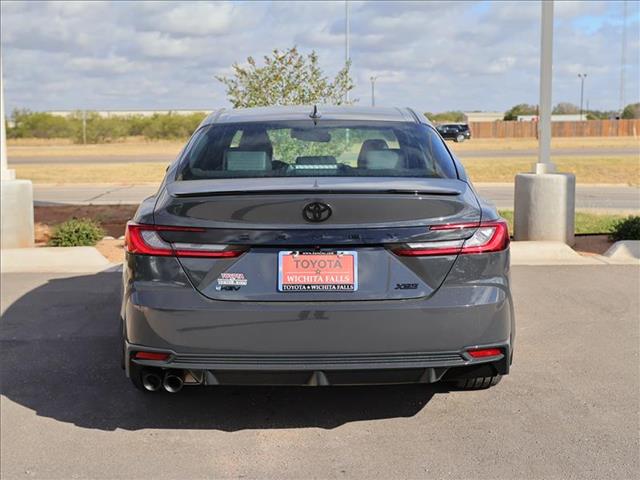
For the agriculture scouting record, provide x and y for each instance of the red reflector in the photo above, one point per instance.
(424, 252)
(150, 356)
(204, 253)
(485, 352)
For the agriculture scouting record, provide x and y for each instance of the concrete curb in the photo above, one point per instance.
(549, 253)
(625, 251)
(53, 260)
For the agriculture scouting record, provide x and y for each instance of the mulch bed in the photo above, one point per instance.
(113, 218)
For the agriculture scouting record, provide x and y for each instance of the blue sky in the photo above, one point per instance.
(431, 55)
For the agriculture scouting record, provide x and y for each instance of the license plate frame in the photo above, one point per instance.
(322, 287)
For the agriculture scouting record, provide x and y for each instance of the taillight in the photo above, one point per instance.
(484, 238)
(145, 240)
(451, 247)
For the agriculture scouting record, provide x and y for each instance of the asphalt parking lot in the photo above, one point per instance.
(570, 408)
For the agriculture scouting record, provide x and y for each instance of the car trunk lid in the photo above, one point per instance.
(266, 216)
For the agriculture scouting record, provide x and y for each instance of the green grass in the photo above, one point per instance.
(585, 222)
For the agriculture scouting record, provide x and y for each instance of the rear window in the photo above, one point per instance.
(302, 148)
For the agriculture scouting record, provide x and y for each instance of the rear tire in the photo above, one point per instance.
(459, 138)
(477, 383)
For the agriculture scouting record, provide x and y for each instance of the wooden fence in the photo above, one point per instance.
(588, 128)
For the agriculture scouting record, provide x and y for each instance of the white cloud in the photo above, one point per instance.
(160, 45)
(189, 19)
(432, 55)
(102, 66)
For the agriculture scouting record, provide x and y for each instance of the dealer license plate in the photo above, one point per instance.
(318, 271)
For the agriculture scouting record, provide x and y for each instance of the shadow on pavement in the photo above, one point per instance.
(60, 352)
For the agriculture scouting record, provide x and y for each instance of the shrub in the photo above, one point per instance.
(101, 129)
(77, 232)
(453, 116)
(171, 126)
(39, 125)
(626, 229)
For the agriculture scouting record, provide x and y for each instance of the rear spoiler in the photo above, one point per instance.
(310, 186)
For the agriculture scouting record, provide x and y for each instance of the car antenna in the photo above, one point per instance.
(315, 114)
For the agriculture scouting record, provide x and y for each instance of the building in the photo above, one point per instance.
(482, 116)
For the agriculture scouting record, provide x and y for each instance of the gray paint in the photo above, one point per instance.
(171, 315)
(301, 112)
(458, 301)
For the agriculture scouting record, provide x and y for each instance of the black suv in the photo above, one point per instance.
(458, 132)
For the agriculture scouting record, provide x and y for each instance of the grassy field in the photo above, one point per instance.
(532, 143)
(122, 173)
(585, 222)
(60, 148)
(610, 169)
(620, 169)
(29, 147)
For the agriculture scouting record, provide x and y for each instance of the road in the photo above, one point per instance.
(569, 409)
(79, 159)
(618, 198)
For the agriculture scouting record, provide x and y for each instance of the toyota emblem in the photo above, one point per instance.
(316, 212)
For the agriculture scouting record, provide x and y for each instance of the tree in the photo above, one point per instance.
(287, 78)
(601, 114)
(565, 108)
(631, 111)
(520, 109)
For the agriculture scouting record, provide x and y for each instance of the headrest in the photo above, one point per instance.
(368, 145)
(256, 140)
(243, 160)
(382, 159)
(374, 144)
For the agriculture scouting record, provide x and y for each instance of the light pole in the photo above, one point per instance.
(544, 203)
(623, 55)
(5, 173)
(373, 90)
(544, 164)
(582, 77)
(347, 55)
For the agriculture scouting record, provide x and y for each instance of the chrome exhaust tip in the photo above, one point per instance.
(173, 382)
(151, 381)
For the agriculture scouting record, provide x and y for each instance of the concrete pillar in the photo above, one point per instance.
(545, 207)
(16, 196)
(16, 229)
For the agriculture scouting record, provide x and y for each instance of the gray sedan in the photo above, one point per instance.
(316, 246)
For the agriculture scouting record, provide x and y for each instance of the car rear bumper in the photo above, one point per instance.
(321, 343)
(321, 370)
